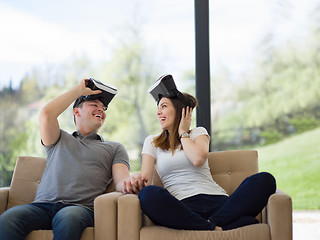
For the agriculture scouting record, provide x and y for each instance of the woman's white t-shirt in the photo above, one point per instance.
(179, 176)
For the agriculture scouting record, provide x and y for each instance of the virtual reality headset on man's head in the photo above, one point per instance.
(165, 87)
(107, 94)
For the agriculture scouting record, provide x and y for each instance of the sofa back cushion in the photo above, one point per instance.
(25, 180)
(230, 168)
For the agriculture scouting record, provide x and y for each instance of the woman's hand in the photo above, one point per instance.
(185, 122)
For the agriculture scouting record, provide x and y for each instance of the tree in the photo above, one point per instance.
(280, 94)
(132, 71)
(12, 133)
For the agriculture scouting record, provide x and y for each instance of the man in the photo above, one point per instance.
(79, 168)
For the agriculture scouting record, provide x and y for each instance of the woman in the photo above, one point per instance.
(190, 199)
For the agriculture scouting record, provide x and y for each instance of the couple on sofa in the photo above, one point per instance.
(80, 166)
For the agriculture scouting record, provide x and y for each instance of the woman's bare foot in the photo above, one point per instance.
(218, 228)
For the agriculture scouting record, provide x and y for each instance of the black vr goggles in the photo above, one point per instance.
(165, 87)
(107, 94)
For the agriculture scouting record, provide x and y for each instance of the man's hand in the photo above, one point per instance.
(134, 184)
(85, 90)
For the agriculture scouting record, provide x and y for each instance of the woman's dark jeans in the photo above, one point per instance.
(193, 213)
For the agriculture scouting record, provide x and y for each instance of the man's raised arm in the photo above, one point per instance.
(49, 125)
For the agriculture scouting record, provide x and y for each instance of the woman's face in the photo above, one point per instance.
(166, 114)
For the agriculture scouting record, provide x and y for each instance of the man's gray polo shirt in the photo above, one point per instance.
(79, 168)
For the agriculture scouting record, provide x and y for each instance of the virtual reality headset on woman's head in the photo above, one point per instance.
(107, 94)
(166, 87)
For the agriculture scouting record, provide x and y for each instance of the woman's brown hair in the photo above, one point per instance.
(166, 142)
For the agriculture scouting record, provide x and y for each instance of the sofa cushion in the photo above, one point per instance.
(25, 180)
(251, 232)
(230, 168)
(88, 234)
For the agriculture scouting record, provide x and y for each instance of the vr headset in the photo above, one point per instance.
(165, 87)
(107, 94)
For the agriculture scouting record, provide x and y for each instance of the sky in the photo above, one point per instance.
(35, 33)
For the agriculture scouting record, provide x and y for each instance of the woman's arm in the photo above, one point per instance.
(196, 150)
(147, 168)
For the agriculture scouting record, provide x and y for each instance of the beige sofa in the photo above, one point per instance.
(25, 181)
(229, 169)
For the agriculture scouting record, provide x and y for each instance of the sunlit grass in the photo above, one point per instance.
(295, 162)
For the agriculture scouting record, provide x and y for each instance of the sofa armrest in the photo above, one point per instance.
(129, 217)
(105, 216)
(4, 195)
(279, 216)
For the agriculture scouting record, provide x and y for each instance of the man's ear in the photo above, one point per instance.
(76, 111)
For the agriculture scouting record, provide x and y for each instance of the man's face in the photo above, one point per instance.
(91, 114)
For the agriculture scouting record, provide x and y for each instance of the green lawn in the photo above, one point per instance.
(295, 163)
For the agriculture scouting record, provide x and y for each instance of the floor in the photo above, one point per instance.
(306, 225)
